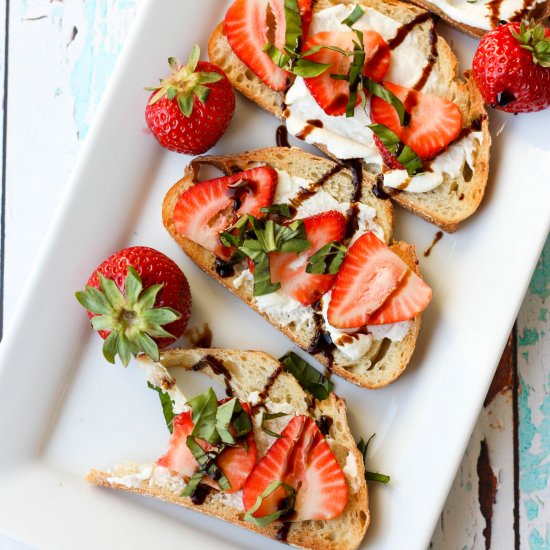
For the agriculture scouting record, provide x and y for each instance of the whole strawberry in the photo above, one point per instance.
(512, 67)
(138, 300)
(192, 108)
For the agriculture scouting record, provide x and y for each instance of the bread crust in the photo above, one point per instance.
(538, 13)
(463, 196)
(374, 370)
(250, 370)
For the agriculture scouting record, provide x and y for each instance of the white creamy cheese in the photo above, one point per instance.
(350, 137)
(134, 480)
(235, 500)
(350, 470)
(479, 14)
(450, 162)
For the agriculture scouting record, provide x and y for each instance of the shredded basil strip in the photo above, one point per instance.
(167, 406)
(403, 153)
(232, 412)
(354, 16)
(309, 378)
(379, 91)
(362, 446)
(192, 484)
(204, 408)
(327, 260)
(266, 520)
(278, 209)
(271, 416)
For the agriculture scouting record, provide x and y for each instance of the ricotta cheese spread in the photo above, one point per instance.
(482, 13)
(156, 476)
(350, 137)
(350, 471)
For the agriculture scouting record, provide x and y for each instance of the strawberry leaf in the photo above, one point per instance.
(110, 347)
(185, 103)
(132, 286)
(93, 300)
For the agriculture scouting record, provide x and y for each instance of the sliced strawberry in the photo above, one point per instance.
(302, 459)
(251, 24)
(387, 157)
(368, 276)
(289, 268)
(179, 458)
(323, 493)
(410, 298)
(236, 463)
(207, 208)
(333, 95)
(435, 122)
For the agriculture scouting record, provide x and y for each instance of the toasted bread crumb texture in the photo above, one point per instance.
(455, 199)
(251, 372)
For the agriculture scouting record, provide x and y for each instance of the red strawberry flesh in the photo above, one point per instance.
(209, 207)
(333, 95)
(369, 275)
(302, 459)
(250, 25)
(434, 122)
(289, 269)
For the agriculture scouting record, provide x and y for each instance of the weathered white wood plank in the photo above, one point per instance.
(63, 54)
(478, 514)
(534, 410)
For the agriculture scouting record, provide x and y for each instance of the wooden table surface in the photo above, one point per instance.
(56, 57)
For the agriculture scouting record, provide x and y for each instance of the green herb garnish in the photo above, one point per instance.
(309, 378)
(287, 508)
(403, 153)
(271, 416)
(371, 476)
(278, 209)
(167, 406)
(327, 260)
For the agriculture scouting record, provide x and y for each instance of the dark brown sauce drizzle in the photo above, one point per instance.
(352, 223)
(305, 131)
(316, 123)
(432, 58)
(281, 136)
(356, 168)
(199, 337)
(322, 343)
(305, 194)
(282, 532)
(324, 424)
(437, 238)
(404, 30)
(217, 367)
(223, 268)
(494, 6)
(269, 384)
(200, 494)
(461, 197)
(379, 191)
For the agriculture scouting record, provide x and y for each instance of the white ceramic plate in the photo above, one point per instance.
(64, 410)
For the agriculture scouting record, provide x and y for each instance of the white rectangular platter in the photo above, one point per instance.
(63, 409)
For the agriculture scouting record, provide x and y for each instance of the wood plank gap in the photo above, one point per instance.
(515, 423)
(4, 171)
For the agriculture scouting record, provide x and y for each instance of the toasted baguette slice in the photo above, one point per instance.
(249, 372)
(455, 199)
(386, 359)
(532, 10)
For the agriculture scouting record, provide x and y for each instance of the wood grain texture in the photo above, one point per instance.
(70, 48)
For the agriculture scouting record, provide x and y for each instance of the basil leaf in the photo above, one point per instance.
(379, 91)
(307, 68)
(293, 32)
(242, 424)
(280, 58)
(319, 47)
(266, 520)
(404, 154)
(204, 408)
(355, 72)
(375, 476)
(309, 378)
(327, 260)
(370, 476)
(192, 484)
(278, 209)
(262, 277)
(167, 406)
(354, 16)
(231, 239)
(206, 462)
(271, 416)
(224, 414)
